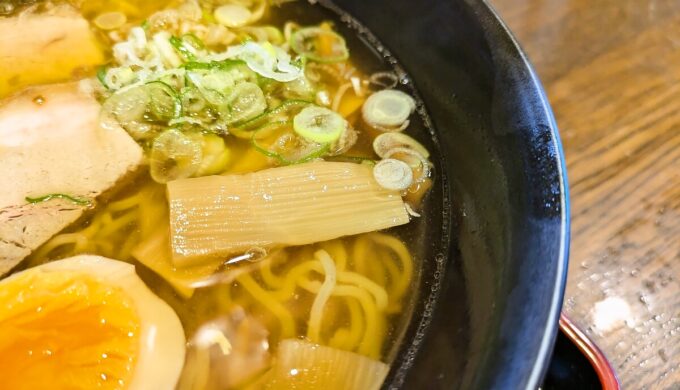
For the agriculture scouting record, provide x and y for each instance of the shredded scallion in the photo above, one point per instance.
(73, 199)
(182, 48)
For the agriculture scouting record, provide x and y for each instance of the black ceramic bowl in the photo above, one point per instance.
(495, 248)
(496, 313)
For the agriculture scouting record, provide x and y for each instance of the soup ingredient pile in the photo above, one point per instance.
(201, 195)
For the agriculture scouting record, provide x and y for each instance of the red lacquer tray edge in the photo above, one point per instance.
(597, 359)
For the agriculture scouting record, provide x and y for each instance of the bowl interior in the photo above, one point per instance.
(499, 287)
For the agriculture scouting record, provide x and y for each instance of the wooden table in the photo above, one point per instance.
(611, 69)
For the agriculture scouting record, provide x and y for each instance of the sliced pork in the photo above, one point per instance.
(44, 48)
(51, 142)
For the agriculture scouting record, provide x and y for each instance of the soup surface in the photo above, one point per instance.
(270, 216)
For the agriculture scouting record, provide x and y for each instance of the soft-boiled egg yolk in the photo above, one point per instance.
(86, 322)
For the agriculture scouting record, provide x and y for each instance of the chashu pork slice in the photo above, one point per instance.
(51, 142)
(45, 48)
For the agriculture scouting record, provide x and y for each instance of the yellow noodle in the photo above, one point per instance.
(147, 223)
(282, 314)
(93, 227)
(378, 293)
(348, 338)
(268, 277)
(360, 253)
(126, 249)
(224, 299)
(102, 246)
(375, 268)
(406, 262)
(372, 339)
(292, 277)
(301, 270)
(82, 245)
(337, 250)
(105, 218)
(56, 242)
(117, 224)
(393, 289)
(316, 313)
(357, 323)
(340, 339)
(124, 204)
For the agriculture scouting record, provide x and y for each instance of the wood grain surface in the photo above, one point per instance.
(611, 69)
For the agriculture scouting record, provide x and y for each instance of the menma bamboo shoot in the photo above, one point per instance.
(220, 216)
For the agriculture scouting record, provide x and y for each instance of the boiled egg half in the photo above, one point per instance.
(87, 322)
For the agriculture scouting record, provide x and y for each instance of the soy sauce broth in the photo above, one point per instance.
(253, 298)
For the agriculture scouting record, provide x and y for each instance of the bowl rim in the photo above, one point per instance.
(549, 335)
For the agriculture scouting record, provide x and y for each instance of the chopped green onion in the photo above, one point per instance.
(226, 65)
(117, 78)
(232, 15)
(128, 108)
(215, 80)
(301, 88)
(386, 142)
(110, 20)
(320, 45)
(194, 41)
(393, 174)
(164, 102)
(266, 60)
(45, 198)
(188, 46)
(101, 76)
(212, 84)
(193, 65)
(250, 133)
(245, 101)
(175, 155)
(193, 102)
(388, 109)
(139, 109)
(182, 48)
(318, 124)
(317, 151)
(283, 112)
(412, 158)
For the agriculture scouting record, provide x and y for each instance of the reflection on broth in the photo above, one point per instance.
(262, 214)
